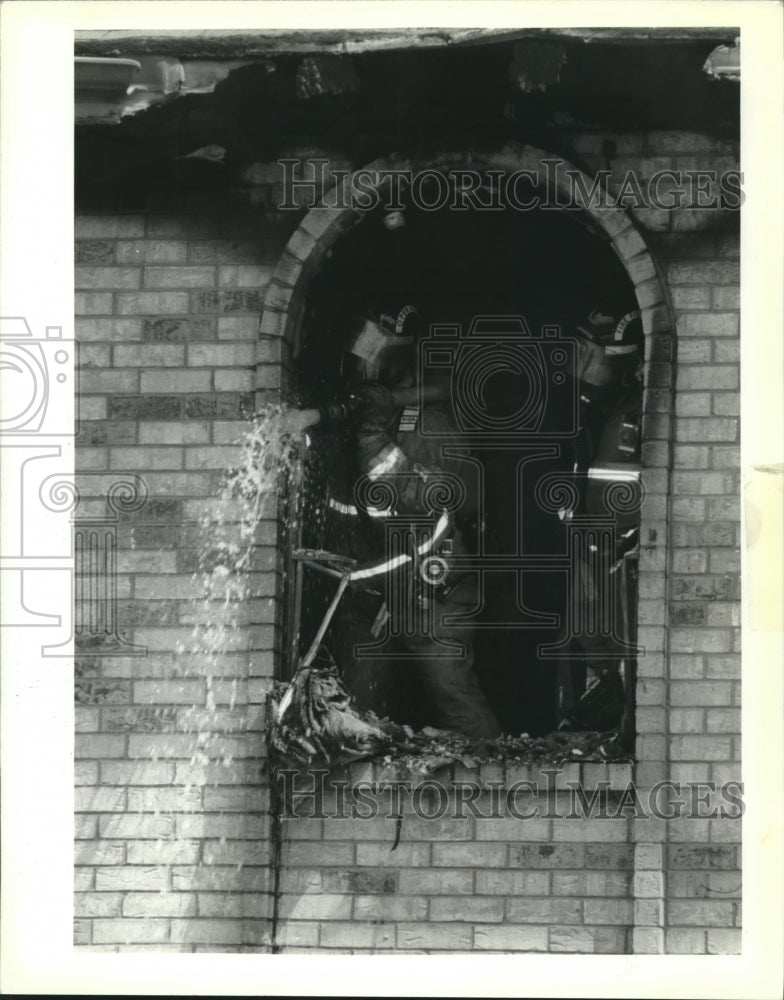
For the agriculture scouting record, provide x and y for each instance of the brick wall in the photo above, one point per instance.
(174, 848)
(704, 667)
(172, 801)
(697, 681)
(461, 881)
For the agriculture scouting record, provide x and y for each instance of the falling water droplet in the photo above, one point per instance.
(224, 560)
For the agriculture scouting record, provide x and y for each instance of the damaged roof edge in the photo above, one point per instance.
(108, 89)
(228, 44)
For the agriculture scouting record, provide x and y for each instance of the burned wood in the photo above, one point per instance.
(314, 721)
(230, 44)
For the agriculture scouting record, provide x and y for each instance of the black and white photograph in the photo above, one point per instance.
(383, 483)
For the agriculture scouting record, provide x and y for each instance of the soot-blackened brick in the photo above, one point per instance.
(102, 692)
(87, 666)
(687, 614)
(144, 407)
(176, 329)
(228, 301)
(225, 405)
(155, 511)
(548, 855)
(362, 882)
(618, 856)
(140, 720)
(703, 856)
(706, 588)
(95, 252)
(164, 536)
(93, 432)
(148, 613)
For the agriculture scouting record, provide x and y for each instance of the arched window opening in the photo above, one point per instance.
(531, 340)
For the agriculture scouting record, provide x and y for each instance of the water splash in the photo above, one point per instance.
(227, 534)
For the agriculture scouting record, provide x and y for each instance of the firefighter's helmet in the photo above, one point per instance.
(383, 343)
(607, 347)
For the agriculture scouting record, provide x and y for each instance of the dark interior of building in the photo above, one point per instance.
(546, 267)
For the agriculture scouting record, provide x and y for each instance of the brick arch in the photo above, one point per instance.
(283, 314)
(321, 227)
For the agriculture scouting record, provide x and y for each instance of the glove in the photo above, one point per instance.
(379, 410)
(344, 409)
(370, 408)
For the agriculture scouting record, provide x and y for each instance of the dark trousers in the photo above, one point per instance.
(420, 675)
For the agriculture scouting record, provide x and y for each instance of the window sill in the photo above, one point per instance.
(557, 775)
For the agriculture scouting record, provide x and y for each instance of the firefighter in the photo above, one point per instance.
(607, 470)
(396, 462)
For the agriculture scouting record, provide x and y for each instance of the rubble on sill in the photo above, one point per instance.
(313, 722)
(436, 748)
